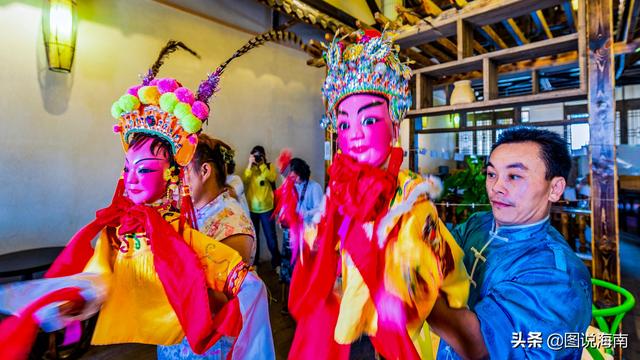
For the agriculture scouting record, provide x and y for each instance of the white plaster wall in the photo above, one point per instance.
(60, 159)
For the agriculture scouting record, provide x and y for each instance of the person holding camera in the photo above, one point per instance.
(259, 178)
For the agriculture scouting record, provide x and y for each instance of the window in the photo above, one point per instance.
(579, 136)
(484, 138)
(465, 142)
(633, 126)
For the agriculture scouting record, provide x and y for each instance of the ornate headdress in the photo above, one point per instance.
(370, 65)
(163, 107)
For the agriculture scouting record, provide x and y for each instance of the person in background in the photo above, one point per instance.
(309, 207)
(259, 178)
(221, 217)
(235, 181)
(525, 279)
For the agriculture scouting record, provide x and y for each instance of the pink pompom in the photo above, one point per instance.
(185, 95)
(167, 85)
(134, 90)
(153, 82)
(117, 129)
(200, 110)
(193, 139)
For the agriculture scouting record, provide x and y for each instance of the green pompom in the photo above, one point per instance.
(182, 110)
(116, 110)
(149, 95)
(168, 102)
(128, 102)
(191, 124)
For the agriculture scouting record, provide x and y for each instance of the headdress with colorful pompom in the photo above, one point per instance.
(368, 66)
(163, 107)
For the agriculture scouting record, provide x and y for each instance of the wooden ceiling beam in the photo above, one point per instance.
(433, 9)
(373, 7)
(515, 31)
(412, 19)
(487, 29)
(435, 52)
(520, 66)
(538, 17)
(332, 11)
(491, 34)
(417, 57)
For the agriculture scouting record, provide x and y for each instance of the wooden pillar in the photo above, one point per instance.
(424, 91)
(603, 168)
(535, 82)
(465, 39)
(489, 79)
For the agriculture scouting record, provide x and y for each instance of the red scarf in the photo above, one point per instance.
(358, 194)
(187, 295)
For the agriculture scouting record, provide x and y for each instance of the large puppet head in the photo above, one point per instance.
(166, 110)
(148, 167)
(367, 95)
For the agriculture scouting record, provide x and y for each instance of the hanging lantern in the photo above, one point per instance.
(59, 25)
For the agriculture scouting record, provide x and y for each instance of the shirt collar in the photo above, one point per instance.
(525, 231)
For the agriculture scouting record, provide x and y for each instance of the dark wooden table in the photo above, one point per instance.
(25, 263)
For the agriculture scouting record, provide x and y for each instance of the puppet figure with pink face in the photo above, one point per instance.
(379, 229)
(153, 277)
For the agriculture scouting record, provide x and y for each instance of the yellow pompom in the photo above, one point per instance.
(191, 124)
(149, 95)
(182, 110)
(128, 103)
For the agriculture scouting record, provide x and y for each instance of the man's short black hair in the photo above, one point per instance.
(554, 150)
(301, 168)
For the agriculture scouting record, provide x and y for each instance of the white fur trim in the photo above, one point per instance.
(430, 186)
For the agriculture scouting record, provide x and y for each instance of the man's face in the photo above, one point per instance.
(144, 174)
(516, 184)
(365, 128)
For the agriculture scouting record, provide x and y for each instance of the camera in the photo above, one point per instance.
(258, 158)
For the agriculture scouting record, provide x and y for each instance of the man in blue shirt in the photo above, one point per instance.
(527, 285)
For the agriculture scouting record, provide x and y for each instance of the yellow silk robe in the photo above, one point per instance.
(413, 271)
(136, 307)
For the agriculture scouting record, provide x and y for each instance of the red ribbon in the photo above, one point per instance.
(184, 281)
(358, 194)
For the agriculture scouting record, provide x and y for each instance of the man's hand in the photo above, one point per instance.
(460, 328)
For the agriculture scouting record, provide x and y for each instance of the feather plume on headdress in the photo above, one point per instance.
(210, 86)
(171, 47)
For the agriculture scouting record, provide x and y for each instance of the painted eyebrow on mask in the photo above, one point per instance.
(373, 104)
(145, 159)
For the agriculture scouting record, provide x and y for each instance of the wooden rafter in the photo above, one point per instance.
(515, 31)
(435, 52)
(565, 59)
(487, 29)
(373, 7)
(332, 11)
(432, 8)
(417, 57)
(538, 17)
